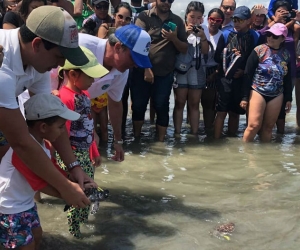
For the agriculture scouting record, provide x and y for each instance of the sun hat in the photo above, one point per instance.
(57, 26)
(93, 68)
(278, 29)
(138, 42)
(242, 12)
(259, 10)
(42, 106)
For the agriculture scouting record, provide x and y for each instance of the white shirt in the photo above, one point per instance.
(114, 82)
(13, 79)
(16, 194)
(214, 41)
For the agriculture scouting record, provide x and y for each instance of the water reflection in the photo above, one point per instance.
(171, 195)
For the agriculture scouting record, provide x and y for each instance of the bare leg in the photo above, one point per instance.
(38, 235)
(219, 124)
(297, 94)
(194, 96)
(103, 121)
(270, 117)
(233, 123)
(137, 128)
(208, 104)
(180, 95)
(256, 109)
(161, 132)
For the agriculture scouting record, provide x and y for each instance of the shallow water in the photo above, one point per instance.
(172, 195)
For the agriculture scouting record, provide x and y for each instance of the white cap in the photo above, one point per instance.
(42, 106)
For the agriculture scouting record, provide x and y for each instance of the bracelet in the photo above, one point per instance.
(73, 165)
(119, 142)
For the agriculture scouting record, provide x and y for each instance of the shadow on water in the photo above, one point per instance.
(127, 215)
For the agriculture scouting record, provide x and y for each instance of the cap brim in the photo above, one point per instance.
(70, 115)
(275, 32)
(140, 60)
(74, 55)
(96, 71)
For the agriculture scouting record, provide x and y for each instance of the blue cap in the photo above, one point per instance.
(242, 12)
(138, 42)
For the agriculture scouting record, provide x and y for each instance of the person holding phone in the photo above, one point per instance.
(189, 85)
(157, 82)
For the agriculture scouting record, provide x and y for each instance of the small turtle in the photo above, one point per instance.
(223, 231)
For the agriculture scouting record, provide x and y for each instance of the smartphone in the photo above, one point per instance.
(166, 27)
(172, 26)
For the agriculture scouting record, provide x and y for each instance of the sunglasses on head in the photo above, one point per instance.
(226, 7)
(216, 20)
(269, 34)
(127, 19)
(102, 6)
(169, 1)
(237, 20)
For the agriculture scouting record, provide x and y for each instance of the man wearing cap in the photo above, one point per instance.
(228, 7)
(49, 37)
(128, 47)
(157, 81)
(232, 52)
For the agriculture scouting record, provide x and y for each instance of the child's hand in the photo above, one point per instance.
(288, 107)
(236, 52)
(244, 104)
(55, 92)
(97, 161)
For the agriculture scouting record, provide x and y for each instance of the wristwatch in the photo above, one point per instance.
(120, 142)
(73, 165)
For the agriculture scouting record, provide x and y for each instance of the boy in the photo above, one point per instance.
(234, 49)
(20, 227)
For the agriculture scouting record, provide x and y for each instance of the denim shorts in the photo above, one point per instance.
(15, 229)
(193, 79)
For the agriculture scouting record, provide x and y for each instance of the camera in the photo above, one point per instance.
(196, 28)
(292, 14)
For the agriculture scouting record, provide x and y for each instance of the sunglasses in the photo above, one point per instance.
(237, 20)
(269, 34)
(226, 7)
(102, 6)
(216, 20)
(260, 15)
(127, 19)
(169, 1)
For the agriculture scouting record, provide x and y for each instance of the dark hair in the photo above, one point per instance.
(220, 12)
(123, 5)
(233, 1)
(24, 8)
(278, 4)
(27, 36)
(194, 6)
(61, 76)
(49, 121)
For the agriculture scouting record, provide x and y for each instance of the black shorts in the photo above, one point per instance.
(230, 96)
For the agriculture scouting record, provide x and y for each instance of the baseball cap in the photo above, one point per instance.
(242, 12)
(57, 26)
(278, 29)
(138, 41)
(41, 106)
(95, 2)
(93, 68)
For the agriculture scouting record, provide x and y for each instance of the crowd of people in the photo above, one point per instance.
(69, 67)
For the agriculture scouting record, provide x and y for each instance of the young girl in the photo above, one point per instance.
(215, 19)
(122, 17)
(190, 84)
(81, 132)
